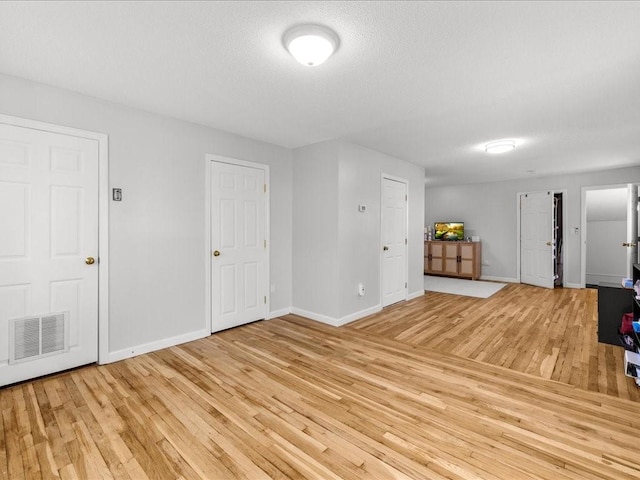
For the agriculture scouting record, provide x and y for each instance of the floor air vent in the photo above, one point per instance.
(31, 338)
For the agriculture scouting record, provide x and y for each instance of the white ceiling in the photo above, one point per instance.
(428, 82)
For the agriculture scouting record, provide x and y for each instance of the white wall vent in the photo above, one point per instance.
(31, 338)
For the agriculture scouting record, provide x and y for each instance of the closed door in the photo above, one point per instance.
(466, 260)
(451, 258)
(437, 257)
(394, 241)
(48, 252)
(238, 245)
(536, 239)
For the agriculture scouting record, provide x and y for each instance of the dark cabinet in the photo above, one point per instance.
(613, 302)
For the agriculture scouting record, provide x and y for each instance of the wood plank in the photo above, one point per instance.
(421, 390)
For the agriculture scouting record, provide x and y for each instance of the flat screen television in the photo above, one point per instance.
(449, 230)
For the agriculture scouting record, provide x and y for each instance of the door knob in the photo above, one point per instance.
(216, 253)
(89, 260)
(549, 243)
(628, 244)
(385, 248)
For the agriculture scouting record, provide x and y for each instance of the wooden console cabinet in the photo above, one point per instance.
(453, 259)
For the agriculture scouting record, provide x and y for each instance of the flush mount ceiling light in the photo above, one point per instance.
(310, 45)
(500, 146)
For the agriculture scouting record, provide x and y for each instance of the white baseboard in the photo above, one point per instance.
(358, 315)
(153, 346)
(499, 279)
(573, 285)
(278, 313)
(413, 295)
(336, 322)
(315, 316)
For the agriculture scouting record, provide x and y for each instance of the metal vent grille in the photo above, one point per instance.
(31, 338)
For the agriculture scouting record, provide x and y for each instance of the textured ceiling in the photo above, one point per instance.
(427, 82)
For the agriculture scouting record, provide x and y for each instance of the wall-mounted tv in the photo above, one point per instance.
(449, 230)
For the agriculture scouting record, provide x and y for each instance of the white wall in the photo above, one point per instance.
(361, 173)
(606, 258)
(157, 236)
(315, 232)
(336, 247)
(490, 211)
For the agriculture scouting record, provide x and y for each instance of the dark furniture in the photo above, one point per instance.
(613, 302)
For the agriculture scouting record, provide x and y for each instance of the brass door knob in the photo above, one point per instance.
(216, 253)
(628, 244)
(385, 248)
(549, 243)
(89, 260)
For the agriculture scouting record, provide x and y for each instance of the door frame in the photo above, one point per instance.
(380, 243)
(565, 232)
(583, 224)
(209, 157)
(103, 216)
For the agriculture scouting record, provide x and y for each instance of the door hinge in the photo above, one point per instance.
(405, 241)
(406, 198)
(265, 299)
(265, 244)
(265, 188)
(405, 284)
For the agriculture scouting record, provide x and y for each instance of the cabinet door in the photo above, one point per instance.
(467, 260)
(436, 265)
(451, 258)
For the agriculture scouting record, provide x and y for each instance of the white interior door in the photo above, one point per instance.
(238, 245)
(394, 241)
(632, 228)
(536, 239)
(48, 236)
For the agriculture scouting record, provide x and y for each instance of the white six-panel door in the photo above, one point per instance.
(536, 239)
(48, 236)
(238, 245)
(394, 241)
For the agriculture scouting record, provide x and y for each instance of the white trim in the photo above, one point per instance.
(157, 345)
(278, 313)
(242, 163)
(499, 279)
(103, 217)
(358, 315)
(417, 294)
(404, 181)
(337, 322)
(318, 317)
(573, 285)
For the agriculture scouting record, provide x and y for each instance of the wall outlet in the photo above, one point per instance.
(485, 263)
(361, 290)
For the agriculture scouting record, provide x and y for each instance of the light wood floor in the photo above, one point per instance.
(548, 333)
(291, 398)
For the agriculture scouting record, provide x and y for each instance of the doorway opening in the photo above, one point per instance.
(609, 234)
(558, 241)
(541, 230)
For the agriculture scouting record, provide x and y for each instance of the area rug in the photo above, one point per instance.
(458, 286)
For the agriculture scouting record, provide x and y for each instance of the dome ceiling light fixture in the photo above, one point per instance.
(500, 146)
(310, 45)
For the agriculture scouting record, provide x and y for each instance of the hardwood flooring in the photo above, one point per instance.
(548, 333)
(292, 398)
